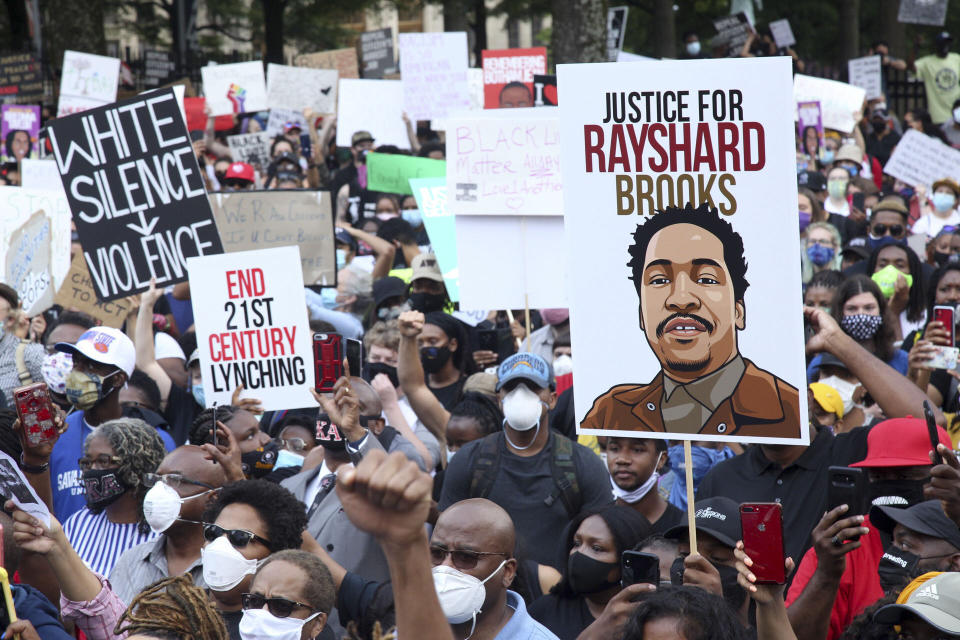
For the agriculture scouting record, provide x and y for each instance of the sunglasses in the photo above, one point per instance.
(175, 480)
(462, 559)
(279, 607)
(880, 229)
(237, 537)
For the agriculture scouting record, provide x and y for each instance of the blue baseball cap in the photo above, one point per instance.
(525, 366)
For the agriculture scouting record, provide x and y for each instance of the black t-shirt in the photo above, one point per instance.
(565, 617)
(881, 148)
(232, 620)
(180, 412)
(449, 395)
(670, 518)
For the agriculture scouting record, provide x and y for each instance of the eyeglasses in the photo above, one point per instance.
(822, 243)
(237, 537)
(293, 444)
(174, 480)
(279, 607)
(880, 229)
(102, 461)
(462, 558)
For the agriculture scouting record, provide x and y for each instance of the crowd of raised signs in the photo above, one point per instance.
(444, 492)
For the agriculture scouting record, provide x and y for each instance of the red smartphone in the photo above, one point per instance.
(944, 315)
(761, 525)
(327, 360)
(36, 412)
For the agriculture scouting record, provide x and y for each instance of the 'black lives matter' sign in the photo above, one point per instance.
(135, 191)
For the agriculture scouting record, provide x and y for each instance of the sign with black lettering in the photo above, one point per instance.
(732, 31)
(135, 191)
(376, 53)
(20, 80)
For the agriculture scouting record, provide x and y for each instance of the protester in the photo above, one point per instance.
(20, 361)
(939, 73)
(634, 476)
(940, 211)
(292, 591)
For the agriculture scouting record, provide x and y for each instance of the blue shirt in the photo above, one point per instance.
(66, 479)
(900, 361)
(521, 626)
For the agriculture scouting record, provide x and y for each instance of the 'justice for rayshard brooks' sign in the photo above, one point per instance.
(135, 191)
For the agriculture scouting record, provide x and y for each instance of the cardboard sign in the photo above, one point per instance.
(513, 67)
(866, 73)
(343, 60)
(278, 118)
(252, 148)
(838, 100)
(27, 267)
(505, 163)
(930, 12)
(782, 33)
(252, 329)
(544, 91)
(20, 79)
(921, 160)
(300, 87)
(371, 105)
(18, 204)
(616, 30)
(441, 226)
(392, 173)
(433, 67)
(158, 67)
(136, 192)
(677, 200)
(235, 88)
(733, 31)
(77, 294)
(376, 52)
(263, 219)
(88, 81)
(24, 119)
(521, 272)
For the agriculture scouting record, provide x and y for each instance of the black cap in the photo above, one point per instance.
(342, 236)
(812, 180)
(827, 359)
(859, 249)
(720, 517)
(944, 36)
(329, 435)
(926, 517)
(388, 287)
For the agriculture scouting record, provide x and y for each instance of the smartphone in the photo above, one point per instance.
(858, 199)
(36, 412)
(945, 315)
(215, 442)
(639, 567)
(932, 430)
(847, 485)
(327, 360)
(488, 340)
(354, 351)
(761, 526)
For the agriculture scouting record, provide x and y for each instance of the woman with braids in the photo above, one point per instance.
(172, 609)
(475, 416)
(115, 459)
(258, 453)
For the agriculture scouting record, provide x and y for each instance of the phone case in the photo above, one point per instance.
(762, 528)
(945, 315)
(846, 485)
(354, 350)
(637, 566)
(36, 412)
(328, 360)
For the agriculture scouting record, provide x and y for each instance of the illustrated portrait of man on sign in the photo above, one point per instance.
(690, 274)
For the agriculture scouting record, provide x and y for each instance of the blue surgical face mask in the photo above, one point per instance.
(413, 217)
(943, 202)
(341, 259)
(197, 391)
(826, 156)
(288, 458)
(328, 298)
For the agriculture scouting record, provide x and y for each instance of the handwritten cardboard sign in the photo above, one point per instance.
(252, 148)
(343, 60)
(512, 67)
(392, 172)
(865, 73)
(87, 81)
(300, 87)
(238, 87)
(505, 162)
(921, 160)
(27, 265)
(20, 79)
(262, 219)
(18, 204)
(733, 31)
(838, 100)
(252, 329)
(433, 68)
(77, 293)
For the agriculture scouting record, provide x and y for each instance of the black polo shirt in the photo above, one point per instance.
(801, 488)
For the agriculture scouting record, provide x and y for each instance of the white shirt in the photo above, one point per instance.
(931, 224)
(829, 207)
(313, 487)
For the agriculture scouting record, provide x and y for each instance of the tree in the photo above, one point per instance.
(579, 31)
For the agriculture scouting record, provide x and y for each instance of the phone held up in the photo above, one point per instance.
(639, 567)
(762, 534)
(327, 360)
(36, 412)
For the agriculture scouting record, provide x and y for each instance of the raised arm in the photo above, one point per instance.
(412, 380)
(384, 250)
(209, 136)
(411, 133)
(146, 354)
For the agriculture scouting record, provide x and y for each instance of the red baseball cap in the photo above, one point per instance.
(900, 442)
(239, 170)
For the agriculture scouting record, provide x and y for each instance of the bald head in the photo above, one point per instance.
(191, 461)
(370, 404)
(486, 522)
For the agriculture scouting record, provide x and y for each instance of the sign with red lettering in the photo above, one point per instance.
(252, 329)
(136, 192)
(674, 175)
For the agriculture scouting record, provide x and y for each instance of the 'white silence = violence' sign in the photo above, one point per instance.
(135, 191)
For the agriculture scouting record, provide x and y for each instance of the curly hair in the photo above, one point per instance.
(202, 428)
(282, 514)
(140, 449)
(482, 408)
(172, 609)
(319, 591)
(700, 615)
(383, 334)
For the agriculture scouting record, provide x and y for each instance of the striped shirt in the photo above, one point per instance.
(99, 542)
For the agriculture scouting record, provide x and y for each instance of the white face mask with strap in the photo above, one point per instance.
(637, 494)
(260, 624)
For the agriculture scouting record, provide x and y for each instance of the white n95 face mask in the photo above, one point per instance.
(223, 566)
(260, 624)
(461, 595)
(844, 388)
(522, 408)
(161, 506)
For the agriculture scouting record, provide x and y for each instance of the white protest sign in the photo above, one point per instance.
(279, 117)
(433, 68)
(475, 87)
(672, 205)
(252, 329)
(87, 81)
(921, 160)
(40, 174)
(505, 162)
(626, 56)
(521, 273)
(299, 87)
(14, 486)
(838, 100)
(782, 34)
(238, 87)
(27, 266)
(865, 73)
(371, 105)
(252, 148)
(929, 12)
(18, 204)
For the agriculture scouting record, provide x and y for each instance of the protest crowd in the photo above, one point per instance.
(191, 480)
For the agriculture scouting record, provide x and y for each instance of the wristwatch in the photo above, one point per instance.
(33, 468)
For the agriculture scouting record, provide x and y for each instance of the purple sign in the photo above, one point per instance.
(808, 115)
(19, 128)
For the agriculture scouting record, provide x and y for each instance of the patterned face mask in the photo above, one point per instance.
(861, 326)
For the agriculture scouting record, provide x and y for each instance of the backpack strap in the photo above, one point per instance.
(485, 466)
(564, 476)
(22, 372)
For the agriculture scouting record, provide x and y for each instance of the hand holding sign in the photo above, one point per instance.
(343, 408)
(253, 405)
